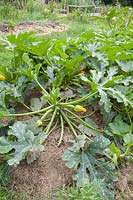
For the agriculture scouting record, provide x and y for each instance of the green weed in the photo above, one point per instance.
(88, 192)
(6, 194)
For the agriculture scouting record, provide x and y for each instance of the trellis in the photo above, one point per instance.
(84, 4)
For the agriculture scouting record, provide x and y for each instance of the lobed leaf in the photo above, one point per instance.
(24, 142)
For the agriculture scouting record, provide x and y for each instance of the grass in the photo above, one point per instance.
(78, 27)
(34, 10)
(88, 192)
(6, 194)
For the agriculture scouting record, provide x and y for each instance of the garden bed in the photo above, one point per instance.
(38, 27)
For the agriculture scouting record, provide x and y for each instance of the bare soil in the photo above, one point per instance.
(46, 174)
(41, 28)
(124, 184)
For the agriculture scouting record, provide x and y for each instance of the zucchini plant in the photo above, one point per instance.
(70, 75)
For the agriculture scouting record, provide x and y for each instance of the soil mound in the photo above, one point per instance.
(46, 174)
(38, 27)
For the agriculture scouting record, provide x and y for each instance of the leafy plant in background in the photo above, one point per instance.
(119, 18)
(5, 9)
(79, 15)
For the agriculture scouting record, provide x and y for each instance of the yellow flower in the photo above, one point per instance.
(38, 123)
(2, 78)
(79, 108)
(82, 72)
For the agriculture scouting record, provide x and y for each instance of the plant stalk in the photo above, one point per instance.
(130, 120)
(46, 114)
(30, 113)
(40, 86)
(68, 122)
(51, 121)
(83, 122)
(78, 101)
(62, 130)
(53, 128)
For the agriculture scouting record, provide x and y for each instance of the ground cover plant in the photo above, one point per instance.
(70, 75)
(8, 194)
(11, 13)
(89, 192)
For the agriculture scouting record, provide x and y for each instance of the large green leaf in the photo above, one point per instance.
(5, 145)
(23, 142)
(119, 96)
(126, 66)
(119, 127)
(104, 100)
(115, 152)
(86, 160)
(73, 154)
(128, 139)
(87, 131)
(28, 43)
(36, 104)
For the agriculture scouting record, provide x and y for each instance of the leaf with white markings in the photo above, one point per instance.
(86, 160)
(126, 66)
(20, 142)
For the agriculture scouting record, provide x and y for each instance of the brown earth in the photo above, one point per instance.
(41, 28)
(46, 174)
(124, 184)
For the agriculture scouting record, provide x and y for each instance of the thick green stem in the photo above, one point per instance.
(40, 85)
(83, 122)
(26, 106)
(80, 131)
(68, 122)
(82, 117)
(62, 130)
(78, 101)
(125, 153)
(30, 113)
(130, 120)
(53, 128)
(46, 114)
(51, 121)
(14, 58)
(74, 125)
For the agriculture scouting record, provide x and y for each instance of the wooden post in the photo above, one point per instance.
(65, 4)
